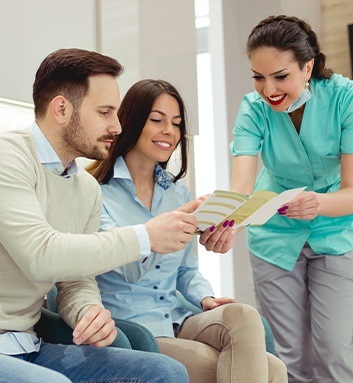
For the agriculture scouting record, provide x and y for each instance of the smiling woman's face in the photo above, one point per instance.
(161, 133)
(278, 77)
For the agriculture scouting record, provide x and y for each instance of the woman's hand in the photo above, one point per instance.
(219, 240)
(209, 303)
(304, 206)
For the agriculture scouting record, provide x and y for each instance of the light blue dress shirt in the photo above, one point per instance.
(47, 155)
(310, 158)
(145, 292)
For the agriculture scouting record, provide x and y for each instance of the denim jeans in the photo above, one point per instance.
(83, 364)
(13, 370)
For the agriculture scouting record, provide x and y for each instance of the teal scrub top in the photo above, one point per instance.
(310, 158)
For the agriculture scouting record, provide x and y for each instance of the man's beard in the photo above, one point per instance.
(76, 139)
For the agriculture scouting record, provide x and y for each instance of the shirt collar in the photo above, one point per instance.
(161, 176)
(47, 155)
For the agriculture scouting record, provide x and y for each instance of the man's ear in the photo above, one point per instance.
(61, 109)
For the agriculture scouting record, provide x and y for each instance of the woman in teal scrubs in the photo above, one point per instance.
(300, 117)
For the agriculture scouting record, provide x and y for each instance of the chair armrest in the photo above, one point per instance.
(186, 304)
(139, 336)
(269, 338)
(52, 329)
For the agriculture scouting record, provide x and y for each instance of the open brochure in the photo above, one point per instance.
(245, 210)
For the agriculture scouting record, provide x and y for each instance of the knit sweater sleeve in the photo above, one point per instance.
(43, 253)
(74, 298)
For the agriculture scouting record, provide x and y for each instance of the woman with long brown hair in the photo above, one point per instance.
(225, 343)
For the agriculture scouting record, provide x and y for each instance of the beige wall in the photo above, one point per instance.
(336, 15)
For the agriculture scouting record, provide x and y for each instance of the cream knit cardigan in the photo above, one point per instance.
(49, 233)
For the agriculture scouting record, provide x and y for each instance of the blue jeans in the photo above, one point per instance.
(83, 364)
(16, 371)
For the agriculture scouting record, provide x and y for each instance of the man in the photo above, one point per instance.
(49, 218)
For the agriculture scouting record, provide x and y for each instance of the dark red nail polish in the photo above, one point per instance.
(281, 210)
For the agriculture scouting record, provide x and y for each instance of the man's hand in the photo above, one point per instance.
(169, 232)
(95, 328)
(221, 239)
(209, 303)
(191, 206)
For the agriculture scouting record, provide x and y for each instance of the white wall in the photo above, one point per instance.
(31, 29)
(155, 39)
(151, 39)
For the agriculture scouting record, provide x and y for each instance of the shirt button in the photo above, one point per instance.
(161, 298)
(155, 287)
(166, 315)
(158, 267)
